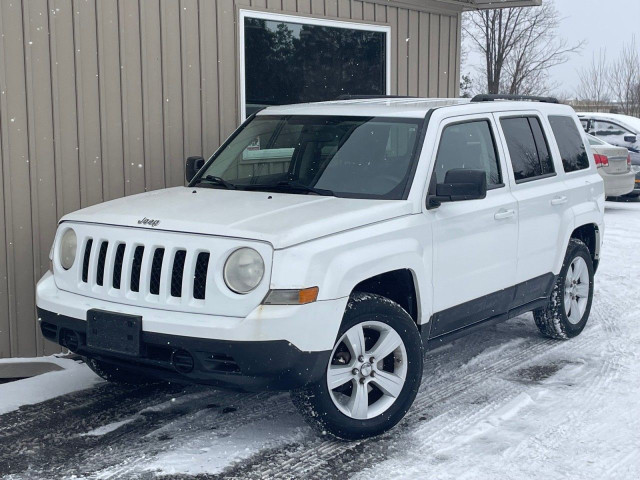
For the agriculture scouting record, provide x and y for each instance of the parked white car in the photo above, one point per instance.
(614, 166)
(618, 130)
(324, 247)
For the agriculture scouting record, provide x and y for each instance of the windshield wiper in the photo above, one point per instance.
(217, 181)
(289, 185)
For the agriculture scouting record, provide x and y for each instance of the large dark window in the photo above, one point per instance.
(528, 148)
(468, 145)
(572, 149)
(360, 157)
(287, 62)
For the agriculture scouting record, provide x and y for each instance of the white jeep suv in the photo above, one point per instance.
(325, 247)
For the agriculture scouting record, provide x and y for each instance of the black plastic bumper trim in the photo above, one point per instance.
(237, 365)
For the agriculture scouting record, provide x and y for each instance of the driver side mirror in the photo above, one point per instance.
(630, 139)
(460, 184)
(194, 164)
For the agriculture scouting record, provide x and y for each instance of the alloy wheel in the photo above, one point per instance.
(367, 370)
(576, 290)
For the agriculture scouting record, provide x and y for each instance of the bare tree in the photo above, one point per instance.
(519, 46)
(594, 82)
(625, 79)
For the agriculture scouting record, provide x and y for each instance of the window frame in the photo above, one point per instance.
(585, 141)
(492, 132)
(305, 20)
(545, 136)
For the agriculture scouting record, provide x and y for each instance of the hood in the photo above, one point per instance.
(280, 219)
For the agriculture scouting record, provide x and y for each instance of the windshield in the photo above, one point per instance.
(357, 157)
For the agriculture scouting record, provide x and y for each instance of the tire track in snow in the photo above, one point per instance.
(318, 459)
(438, 404)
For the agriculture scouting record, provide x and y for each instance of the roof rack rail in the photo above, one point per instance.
(369, 97)
(529, 98)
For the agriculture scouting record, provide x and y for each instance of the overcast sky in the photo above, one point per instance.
(602, 23)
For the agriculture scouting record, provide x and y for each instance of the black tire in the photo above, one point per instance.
(315, 403)
(552, 321)
(114, 374)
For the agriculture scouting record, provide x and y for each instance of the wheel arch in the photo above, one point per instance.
(589, 234)
(399, 286)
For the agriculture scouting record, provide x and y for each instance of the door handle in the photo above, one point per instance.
(559, 200)
(504, 214)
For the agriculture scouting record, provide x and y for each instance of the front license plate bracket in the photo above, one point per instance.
(114, 332)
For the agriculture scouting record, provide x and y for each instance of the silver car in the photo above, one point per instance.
(614, 166)
(619, 130)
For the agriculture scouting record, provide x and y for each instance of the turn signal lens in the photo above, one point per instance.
(629, 159)
(291, 297)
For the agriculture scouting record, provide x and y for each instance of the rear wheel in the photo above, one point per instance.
(114, 374)
(373, 374)
(568, 310)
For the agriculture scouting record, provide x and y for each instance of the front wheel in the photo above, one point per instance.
(373, 373)
(568, 309)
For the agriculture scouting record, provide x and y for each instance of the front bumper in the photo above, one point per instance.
(248, 366)
(275, 347)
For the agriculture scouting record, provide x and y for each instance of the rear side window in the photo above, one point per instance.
(572, 149)
(468, 145)
(528, 148)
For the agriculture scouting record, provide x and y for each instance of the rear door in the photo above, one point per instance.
(474, 241)
(543, 202)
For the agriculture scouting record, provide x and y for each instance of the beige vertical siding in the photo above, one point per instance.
(100, 99)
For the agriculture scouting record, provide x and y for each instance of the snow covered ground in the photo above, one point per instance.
(504, 403)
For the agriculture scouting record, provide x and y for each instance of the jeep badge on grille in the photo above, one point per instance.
(148, 221)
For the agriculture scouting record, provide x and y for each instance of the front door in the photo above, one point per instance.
(475, 241)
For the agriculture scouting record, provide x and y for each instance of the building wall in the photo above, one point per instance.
(101, 99)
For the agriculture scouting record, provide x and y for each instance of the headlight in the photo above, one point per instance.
(68, 247)
(243, 270)
(635, 168)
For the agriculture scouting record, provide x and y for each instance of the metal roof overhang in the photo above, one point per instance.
(492, 4)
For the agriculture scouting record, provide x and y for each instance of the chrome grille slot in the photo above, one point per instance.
(85, 262)
(156, 271)
(136, 268)
(117, 266)
(200, 277)
(177, 273)
(102, 255)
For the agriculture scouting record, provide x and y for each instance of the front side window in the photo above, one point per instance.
(528, 148)
(471, 146)
(357, 157)
(572, 149)
(289, 61)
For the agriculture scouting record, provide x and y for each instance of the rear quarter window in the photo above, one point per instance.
(572, 150)
(528, 148)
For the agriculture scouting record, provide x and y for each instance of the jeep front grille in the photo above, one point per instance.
(151, 269)
(166, 271)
